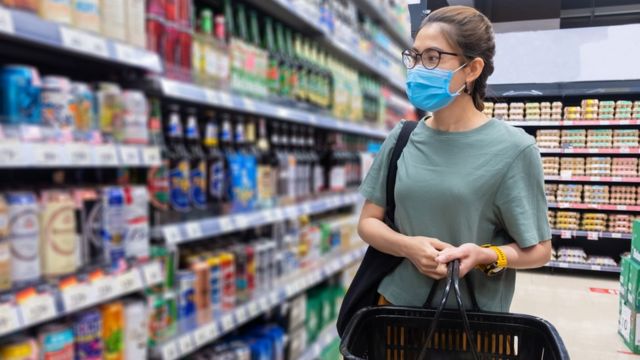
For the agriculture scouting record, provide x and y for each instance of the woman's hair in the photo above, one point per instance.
(470, 31)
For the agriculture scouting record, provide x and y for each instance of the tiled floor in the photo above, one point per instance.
(586, 320)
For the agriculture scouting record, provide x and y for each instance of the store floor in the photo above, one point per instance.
(586, 319)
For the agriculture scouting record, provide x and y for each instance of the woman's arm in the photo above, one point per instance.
(471, 255)
(421, 251)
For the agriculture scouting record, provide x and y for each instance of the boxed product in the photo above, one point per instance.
(628, 326)
(633, 285)
(598, 166)
(625, 261)
(570, 193)
(635, 240)
(596, 194)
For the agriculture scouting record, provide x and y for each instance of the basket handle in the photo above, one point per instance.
(453, 277)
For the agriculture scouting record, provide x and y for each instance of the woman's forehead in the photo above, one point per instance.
(433, 36)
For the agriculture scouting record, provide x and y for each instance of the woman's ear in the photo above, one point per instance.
(474, 69)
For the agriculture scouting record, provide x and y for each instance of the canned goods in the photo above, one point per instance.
(158, 317)
(88, 332)
(113, 330)
(113, 225)
(24, 236)
(56, 102)
(19, 348)
(109, 98)
(186, 298)
(136, 113)
(20, 89)
(136, 213)
(58, 236)
(56, 342)
(83, 107)
(202, 290)
(215, 280)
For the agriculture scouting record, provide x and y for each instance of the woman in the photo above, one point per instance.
(464, 181)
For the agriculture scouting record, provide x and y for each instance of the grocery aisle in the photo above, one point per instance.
(583, 308)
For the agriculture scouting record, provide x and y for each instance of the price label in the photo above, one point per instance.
(170, 351)
(595, 178)
(306, 209)
(282, 112)
(79, 154)
(6, 21)
(47, 155)
(567, 122)
(263, 304)
(153, 273)
(274, 298)
(81, 41)
(625, 122)
(172, 234)
(564, 205)
(151, 156)
(212, 96)
(127, 54)
(621, 207)
(278, 214)
(249, 105)
(624, 322)
(596, 267)
(616, 235)
(616, 179)
(227, 322)
(290, 290)
(105, 288)
(10, 154)
(568, 151)
(226, 100)
(593, 151)
(107, 155)
(253, 309)
(592, 235)
(38, 308)
(241, 221)
(8, 318)
(212, 331)
(225, 224)
(605, 122)
(187, 345)
(130, 281)
(202, 336)
(77, 296)
(625, 150)
(241, 315)
(194, 230)
(129, 155)
(313, 120)
(563, 265)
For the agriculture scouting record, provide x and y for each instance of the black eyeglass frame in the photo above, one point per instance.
(412, 52)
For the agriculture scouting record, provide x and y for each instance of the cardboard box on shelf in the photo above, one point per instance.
(628, 328)
(635, 240)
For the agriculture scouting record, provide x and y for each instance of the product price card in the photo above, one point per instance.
(172, 234)
(130, 281)
(283, 112)
(212, 96)
(129, 155)
(81, 41)
(566, 234)
(79, 154)
(10, 154)
(105, 287)
(252, 308)
(127, 54)
(106, 155)
(226, 99)
(241, 315)
(225, 223)
(194, 230)
(6, 21)
(151, 155)
(47, 155)
(616, 235)
(227, 322)
(274, 298)
(249, 105)
(9, 320)
(187, 344)
(263, 304)
(202, 336)
(153, 273)
(38, 308)
(593, 235)
(170, 351)
(78, 296)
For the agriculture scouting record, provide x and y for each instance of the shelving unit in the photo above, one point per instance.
(187, 343)
(580, 206)
(612, 151)
(326, 337)
(377, 14)
(572, 123)
(594, 179)
(590, 235)
(596, 268)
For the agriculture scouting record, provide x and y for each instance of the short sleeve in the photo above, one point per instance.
(373, 188)
(521, 201)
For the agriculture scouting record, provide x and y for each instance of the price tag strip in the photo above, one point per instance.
(78, 296)
(38, 308)
(9, 320)
(170, 351)
(152, 273)
(130, 281)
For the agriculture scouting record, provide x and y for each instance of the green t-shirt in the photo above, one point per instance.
(473, 186)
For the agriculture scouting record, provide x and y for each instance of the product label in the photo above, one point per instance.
(24, 237)
(88, 336)
(136, 330)
(136, 239)
(158, 185)
(60, 239)
(292, 176)
(337, 178)
(57, 345)
(179, 186)
(55, 108)
(198, 185)
(265, 187)
(216, 180)
(243, 181)
(318, 179)
(210, 61)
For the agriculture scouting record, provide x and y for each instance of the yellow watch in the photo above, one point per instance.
(499, 265)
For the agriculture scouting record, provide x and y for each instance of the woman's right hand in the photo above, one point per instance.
(422, 252)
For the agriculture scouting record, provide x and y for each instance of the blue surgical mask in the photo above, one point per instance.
(429, 89)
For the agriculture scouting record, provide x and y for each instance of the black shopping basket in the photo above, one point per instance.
(404, 333)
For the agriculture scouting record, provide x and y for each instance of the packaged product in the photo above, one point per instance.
(56, 10)
(86, 14)
(114, 19)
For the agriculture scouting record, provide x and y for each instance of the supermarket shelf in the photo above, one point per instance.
(14, 154)
(66, 300)
(561, 89)
(378, 14)
(591, 235)
(25, 26)
(326, 337)
(596, 179)
(197, 229)
(579, 206)
(572, 123)
(611, 151)
(563, 265)
(298, 282)
(195, 93)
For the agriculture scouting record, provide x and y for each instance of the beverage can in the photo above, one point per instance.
(4, 217)
(215, 280)
(172, 313)
(228, 270)
(88, 221)
(20, 88)
(186, 299)
(110, 109)
(24, 236)
(86, 14)
(136, 114)
(56, 342)
(57, 102)
(19, 348)
(83, 107)
(136, 329)
(113, 225)
(58, 238)
(136, 212)
(88, 333)
(202, 290)
(113, 330)
(5, 265)
(157, 318)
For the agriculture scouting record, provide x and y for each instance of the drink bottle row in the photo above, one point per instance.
(217, 163)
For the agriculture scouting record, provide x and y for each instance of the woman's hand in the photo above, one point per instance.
(422, 252)
(470, 255)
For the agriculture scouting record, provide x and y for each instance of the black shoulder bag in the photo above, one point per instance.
(376, 265)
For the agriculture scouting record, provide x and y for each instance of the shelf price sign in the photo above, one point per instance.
(8, 318)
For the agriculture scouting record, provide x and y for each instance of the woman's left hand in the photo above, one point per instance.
(470, 255)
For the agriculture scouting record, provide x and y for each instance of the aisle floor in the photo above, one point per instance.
(586, 319)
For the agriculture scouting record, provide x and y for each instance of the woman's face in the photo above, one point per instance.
(431, 37)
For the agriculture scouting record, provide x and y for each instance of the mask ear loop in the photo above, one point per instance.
(464, 87)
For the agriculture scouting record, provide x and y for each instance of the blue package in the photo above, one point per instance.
(243, 176)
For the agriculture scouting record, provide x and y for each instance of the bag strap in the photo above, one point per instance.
(401, 143)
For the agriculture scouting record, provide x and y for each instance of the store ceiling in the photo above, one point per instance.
(522, 15)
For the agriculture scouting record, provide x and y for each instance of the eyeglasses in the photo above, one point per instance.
(430, 58)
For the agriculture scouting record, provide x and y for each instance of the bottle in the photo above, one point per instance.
(290, 157)
(266, 179)
(300, 160)
(334, 165)
(179, 172)
(215, 165)
(286, 68)
(226, 146)
(244, 74)
(157, 176)
(316, 175)
(297, 68)
(198, 166)
(259, 80)
(282, 171)
(273, 67)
